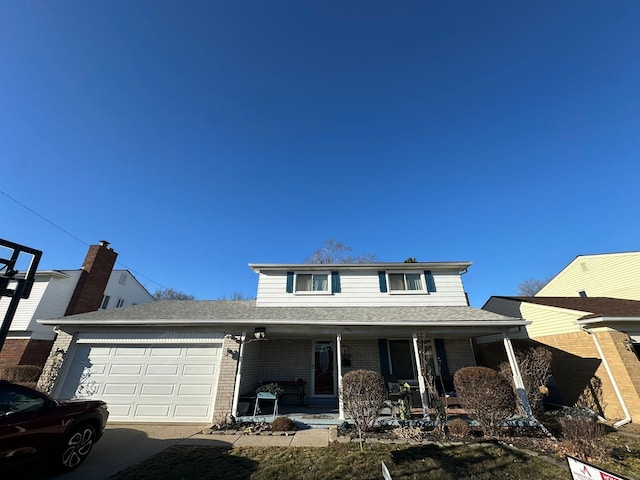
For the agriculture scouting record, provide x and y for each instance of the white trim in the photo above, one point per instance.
(421, 382)
(243, 322)
(339, 362)
(236, 387)
(148, 337)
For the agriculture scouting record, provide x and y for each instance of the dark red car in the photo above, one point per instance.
(32, 423)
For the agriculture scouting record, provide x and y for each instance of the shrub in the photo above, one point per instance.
(534, 365)
(283, 424)
(363, 395)
(582, 434)
(459, 428)
(486, 395)
(23, 374)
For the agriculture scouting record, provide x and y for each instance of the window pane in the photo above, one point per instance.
(303, 283)
(396, 281)
(320, 283)
(401, 359)
(414, 282)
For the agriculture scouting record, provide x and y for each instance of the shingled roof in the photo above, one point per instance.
(592, 306)
(217, 311)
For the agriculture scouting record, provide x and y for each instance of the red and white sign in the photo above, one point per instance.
(585, 471)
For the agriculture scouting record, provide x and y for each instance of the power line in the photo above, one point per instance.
(73, 236)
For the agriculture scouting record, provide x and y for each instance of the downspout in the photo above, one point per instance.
(625, 410)
(236, 388)
(422, 386)
(339, 355)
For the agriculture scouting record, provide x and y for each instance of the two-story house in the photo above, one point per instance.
(56, 293)
(186, 361)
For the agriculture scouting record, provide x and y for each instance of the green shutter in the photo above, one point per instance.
(382, 278)
(335, 282)
(431, 284)
(289, 282)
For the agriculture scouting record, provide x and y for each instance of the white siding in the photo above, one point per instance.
(614, 275)
(49, 299)
(360, 288)
(131, 293)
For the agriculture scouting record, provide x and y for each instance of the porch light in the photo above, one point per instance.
(259, 333)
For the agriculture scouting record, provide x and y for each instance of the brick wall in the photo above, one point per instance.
(459, 354)
(625, 367)
(575, 362)
(226, 381)
(12, 350)
(285, 360)
(365, 355)
(55, 361)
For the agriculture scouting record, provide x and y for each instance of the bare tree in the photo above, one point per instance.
(337, 252)
(235, 296)
(162, 294)
(530, 286)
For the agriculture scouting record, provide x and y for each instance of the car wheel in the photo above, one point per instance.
(77, 445)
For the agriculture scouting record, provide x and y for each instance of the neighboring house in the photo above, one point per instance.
(57, 293)
(615, 275)
(590, 337)
(193, 361)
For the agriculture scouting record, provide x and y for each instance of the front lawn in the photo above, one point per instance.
(346, 461)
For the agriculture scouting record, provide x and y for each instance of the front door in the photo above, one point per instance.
(323, 365)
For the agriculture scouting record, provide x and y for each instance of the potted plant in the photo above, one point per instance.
(270, 390)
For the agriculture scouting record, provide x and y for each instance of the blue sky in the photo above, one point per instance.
(198, 137)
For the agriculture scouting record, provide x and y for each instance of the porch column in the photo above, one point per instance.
(517, 378)
(236, 388)
(423, 389)
(339, 358)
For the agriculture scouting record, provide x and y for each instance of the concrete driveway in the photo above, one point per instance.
(121, 446)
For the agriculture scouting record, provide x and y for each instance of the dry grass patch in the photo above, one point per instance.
(340, 461)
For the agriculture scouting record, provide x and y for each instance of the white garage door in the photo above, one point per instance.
(144, 383)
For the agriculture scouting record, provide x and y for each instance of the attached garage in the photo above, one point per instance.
(146, 377)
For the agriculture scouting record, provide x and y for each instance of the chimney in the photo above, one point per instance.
(96, 270)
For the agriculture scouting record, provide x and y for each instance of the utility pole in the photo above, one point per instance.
(13, 286)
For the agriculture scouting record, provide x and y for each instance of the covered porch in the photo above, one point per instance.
(310, 366)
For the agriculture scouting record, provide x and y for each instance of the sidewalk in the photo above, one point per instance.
(314, 437)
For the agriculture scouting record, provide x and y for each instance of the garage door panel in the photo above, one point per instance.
(195, 390)
(130, 351)
(154, 390)
(203, 351)
(150, 410)
(170, 369)
(119, 389)
(183, 411)
(119, 369)
(147, 383)
(191, 369)
(165, 352)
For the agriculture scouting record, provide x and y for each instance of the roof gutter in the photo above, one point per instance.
(240, 321)
(627, 415)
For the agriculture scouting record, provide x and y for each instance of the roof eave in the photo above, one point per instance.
(284, 267)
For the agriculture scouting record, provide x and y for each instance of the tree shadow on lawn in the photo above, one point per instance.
(477, 461)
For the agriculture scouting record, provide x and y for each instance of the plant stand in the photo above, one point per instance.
(266, 396)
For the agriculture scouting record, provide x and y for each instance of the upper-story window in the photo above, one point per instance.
(312, 282)
(406, 282)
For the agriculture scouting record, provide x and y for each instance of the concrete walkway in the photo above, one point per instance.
(314, 437)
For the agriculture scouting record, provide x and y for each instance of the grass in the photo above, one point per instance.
(339, 461)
